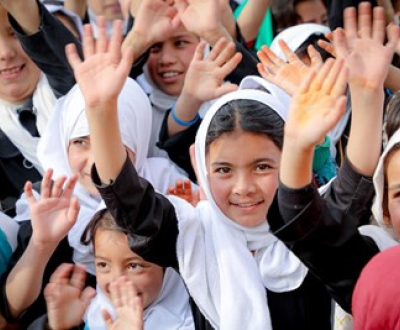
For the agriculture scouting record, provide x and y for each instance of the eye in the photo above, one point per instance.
(181, 43)
(101, 264)
(156, 48)
(263, 167)
(223, 170)
(80, 142)
(134, 266)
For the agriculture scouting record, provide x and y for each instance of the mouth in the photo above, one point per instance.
(13, 72)
(249, 205)
(170, 76)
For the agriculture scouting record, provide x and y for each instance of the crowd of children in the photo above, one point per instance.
(158, 173)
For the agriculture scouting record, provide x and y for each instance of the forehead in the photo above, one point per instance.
(181, 32)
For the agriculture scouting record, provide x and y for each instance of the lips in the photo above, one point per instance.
(170, 74)
(11, 72)
(248, 204)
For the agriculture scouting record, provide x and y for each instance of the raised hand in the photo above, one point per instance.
(204, 78)
(286, 75)
(128, 306)
(66, 298)
(183, 189)
(317, 106)
(103, 73)
(55, 212)
(203, 18)
(361, 45)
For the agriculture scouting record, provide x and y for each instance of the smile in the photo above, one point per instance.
(11, 70)
(248, 205)
(170, 74)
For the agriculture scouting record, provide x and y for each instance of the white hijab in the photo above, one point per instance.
(68, 122)
(226, 281)
(170, 311)
(43, 103)
(379, 183)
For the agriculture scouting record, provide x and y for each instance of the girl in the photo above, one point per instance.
(223, 234)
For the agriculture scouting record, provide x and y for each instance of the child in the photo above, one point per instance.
(227, 233)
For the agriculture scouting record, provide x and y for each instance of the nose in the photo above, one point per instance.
(244, 184)
(7, 49)
(167, 56)
(117, 272)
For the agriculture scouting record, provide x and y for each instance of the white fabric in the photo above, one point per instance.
(170, 310)
(379, 182)
(68, 122)
(10, 229)
(109, 24)
(43, 103)
(226, 281)
(295, 35)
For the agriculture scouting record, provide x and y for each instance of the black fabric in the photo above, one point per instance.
(27, 117)
(323, 232)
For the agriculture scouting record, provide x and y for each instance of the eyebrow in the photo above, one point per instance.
(394, 186)
(136, 259)
(256, 161)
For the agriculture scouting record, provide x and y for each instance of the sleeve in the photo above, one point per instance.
(323, 234)
(47, 49)
(248, 64)
(148, 217)
(177, 146)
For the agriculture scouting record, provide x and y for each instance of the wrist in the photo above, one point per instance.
(138, 42)
(213, 35)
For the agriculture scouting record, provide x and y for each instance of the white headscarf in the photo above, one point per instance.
(68, 122)
(379, 185)
(226, 281)
(170, 311)
(43, 103)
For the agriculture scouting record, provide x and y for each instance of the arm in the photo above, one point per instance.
(148, 217)
(52, 217)
(251, 17)
(43, 38)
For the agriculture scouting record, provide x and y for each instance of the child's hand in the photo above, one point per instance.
(317, 106)
(183, 189)
(103, 73)
(204, 78)
(55, 212)
(361, 45)
(286, 75)
(66, 298)
(128, 306)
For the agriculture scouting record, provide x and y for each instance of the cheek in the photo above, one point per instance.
(394, 214)
(220, 191)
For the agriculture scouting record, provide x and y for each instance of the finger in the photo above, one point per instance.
(58, 186)
(46, 183)
(350, 22)
(88, 43)
(171, 190)
(329, 36)
(364, 20)
(217, 49)
(125, 64)
(87, 295)
(315, 57)
(196, 197)
(225, 89)
(62, 273)
(327, 46)
(393, 33)
(379, 24)
(102, 38)
(115, 294)
(322, 74)
(341, 83)
(107, 318)
(229, 66)
(138, 312)
(192, 153)
(290, 56)
(306, 82)
(199, 52)
(73, 211)
(78, 277)
(187, 186)
(116, 40)
(179, 187)
(72, 56)
(340, 43)
(29, 194)
(263, 71)
(70, 186)
(332, 117)
(272, 57)
(180, 6)
(332, 75)
(227, 52)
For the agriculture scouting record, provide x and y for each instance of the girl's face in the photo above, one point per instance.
(18, 74)
(243, 175)
(169, 61)
(116, 260)
(312, 11)
(80, 158)
(393, 179)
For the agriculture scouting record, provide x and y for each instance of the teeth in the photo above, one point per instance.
(247, 205)
(10, 71)
(169, 74)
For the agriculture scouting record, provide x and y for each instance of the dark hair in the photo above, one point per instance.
(393, 115)
(248, 116)
(313, 40)
(104, 220)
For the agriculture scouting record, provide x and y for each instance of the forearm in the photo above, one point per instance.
(365, 139)
(296, 164)
(24, 283)
(108, 150)
(251, 17)
(138, 42)
(186, 109)
(26, 13)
